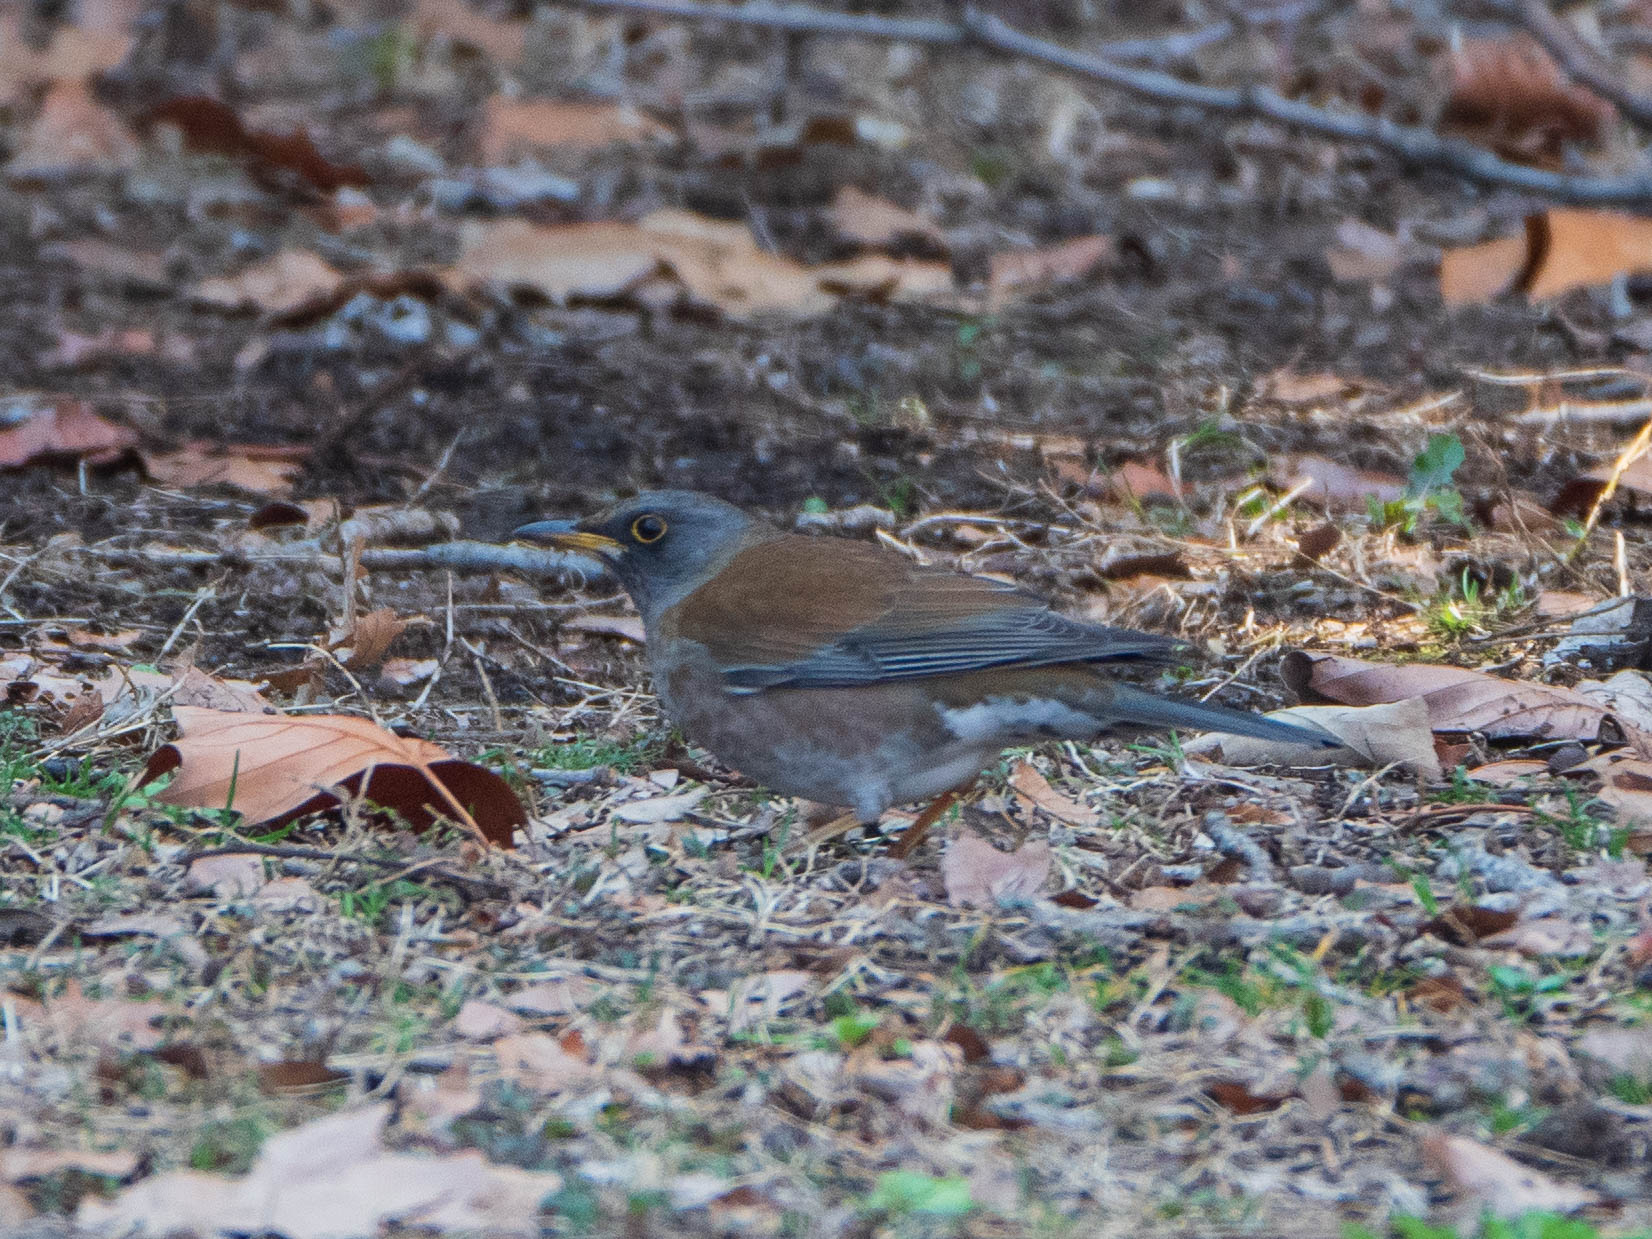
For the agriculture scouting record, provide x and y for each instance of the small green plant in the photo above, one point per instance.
(901, 1193)
(1428, 490)
(230, 1145)
(1535, 1225)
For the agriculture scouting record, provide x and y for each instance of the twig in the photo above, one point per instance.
(1636, 449)
(462, 556)
(1577, 60)
(1411, 144)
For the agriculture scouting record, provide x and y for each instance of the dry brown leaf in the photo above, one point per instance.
(1494, 1180)
(977, 874)
(1457, 699)
(881, 278)
(1034, 790)
(542, 1062)
(599, 261)
(879, 223)
(199, 463)
(285, 284)
(722, 266)
(208, 124)
(1332, 485)
(39, 428)
(1510, 773)
(1588, 247)
(1472, 274)
(1543, 936)
(512, 126)
(1510, 93)
(194, 687)
(330, 1178)
(277, 767)
(1395, 733)
(1014, 274)
(110, 1023)
(1290, 387)
(366, 644)
(1144, 483)
(140, 268)
(72, 135)
(228, 877)
(398, 673)
(462, 23)
(485, 1021)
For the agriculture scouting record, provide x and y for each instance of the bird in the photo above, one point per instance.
(843, 672)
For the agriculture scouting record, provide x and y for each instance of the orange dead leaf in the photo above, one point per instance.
(366, 644)
(1458, 699)
(977, 873)
(1471, 274)
(879, 223)
(199, 463)
(72, 135)
(1034, 790)
(36, 427)
(1333, 485)
(1021, 273)
(272, 768)
(1509, 92)
(459, 22)
(293, 279)
(512, 126)
(210, 125)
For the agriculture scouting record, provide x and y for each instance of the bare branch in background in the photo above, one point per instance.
(1411, 144)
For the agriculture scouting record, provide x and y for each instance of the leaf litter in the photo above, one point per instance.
(1335, 956)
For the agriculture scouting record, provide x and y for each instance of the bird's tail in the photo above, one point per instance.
(1133, 706)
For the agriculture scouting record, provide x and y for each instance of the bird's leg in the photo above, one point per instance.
(825, 832)
(933, 812)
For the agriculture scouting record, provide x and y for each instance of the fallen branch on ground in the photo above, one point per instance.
(1412, 145)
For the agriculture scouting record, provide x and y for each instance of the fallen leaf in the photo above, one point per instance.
(1542, 937)
(977, 874)
(1394, 733)
(762, 997)
(541, 1062)
(1508, 92)
(1625, 1050)
(199, 463)
(1458, 699)
(1144, 483)
(285, 284)
(879, 223)
(559, 996)
(1014, 274)
(278, 767)
(210, 125)
(366, 644)
(485, 1021)
(138, 268)
(1034, 790)
(72, 135)
(1332, 485)
(513, 126)
(657, 809)
(234, 876)
(1509, 773)
(1474, 274)
(598, 261)
(110, 1023)
(36, 427)
(459, 22)
(1494, 1180)
(328, 1179)
(194, 687)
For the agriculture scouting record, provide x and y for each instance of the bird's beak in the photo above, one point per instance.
(567, 536)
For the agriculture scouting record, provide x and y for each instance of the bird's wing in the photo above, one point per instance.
(807, 612)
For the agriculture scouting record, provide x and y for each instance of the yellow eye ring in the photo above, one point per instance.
(650, 528)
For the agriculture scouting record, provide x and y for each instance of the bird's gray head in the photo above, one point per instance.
(662, 545)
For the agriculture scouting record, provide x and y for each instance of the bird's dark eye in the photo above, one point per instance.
(646, 529)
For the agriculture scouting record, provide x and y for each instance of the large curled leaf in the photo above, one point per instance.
(275, 767)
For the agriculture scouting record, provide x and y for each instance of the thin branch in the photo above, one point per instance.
(1577, 60)
(460, 556)
(1420, 147)
(1412, 145)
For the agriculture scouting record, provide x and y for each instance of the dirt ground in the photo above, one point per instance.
(1246, 1001)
